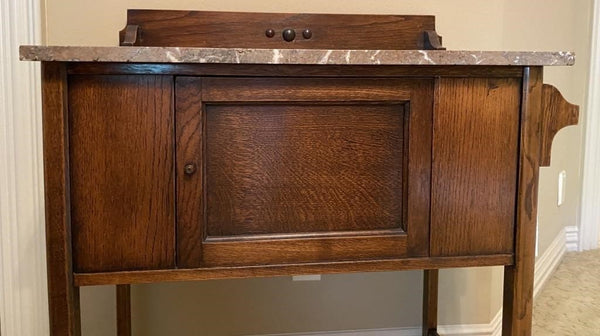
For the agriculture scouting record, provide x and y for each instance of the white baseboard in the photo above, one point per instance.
(494, 328)
(572, 237)
(544, 267)
(547, 262)
(491, 329)
(362, 332)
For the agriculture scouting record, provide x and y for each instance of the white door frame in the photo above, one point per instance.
(23, 289)
(589, 228)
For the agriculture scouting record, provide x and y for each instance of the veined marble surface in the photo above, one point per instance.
(292, 56)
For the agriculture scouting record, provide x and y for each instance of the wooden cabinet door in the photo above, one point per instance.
(299, 170)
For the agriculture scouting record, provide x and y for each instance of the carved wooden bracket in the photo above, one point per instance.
(129, 36)
(556, 114)
(433, 41)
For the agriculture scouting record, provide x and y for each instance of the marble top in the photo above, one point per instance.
(293, 56)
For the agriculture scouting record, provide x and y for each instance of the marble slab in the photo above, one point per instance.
(293, 56)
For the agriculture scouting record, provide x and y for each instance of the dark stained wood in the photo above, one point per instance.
(303, 168)
(433, 41)
(304, 90)
(123, 310)
(292, 168)
(430, 301)
(150, 276)
(273, 70)
(248, 30)
(419, 162)
(283, 250)
(518, 278)
(122, 178)
(179, 172)
(63, 297)
(474, 166)
(129, 36)
(556, 114)
(189, 150)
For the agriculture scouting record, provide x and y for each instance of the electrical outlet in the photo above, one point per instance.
(562, 187)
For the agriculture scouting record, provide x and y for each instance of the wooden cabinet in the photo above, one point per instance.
(169, 164)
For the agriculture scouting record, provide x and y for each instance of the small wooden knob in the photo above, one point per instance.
(269, 33)
(189, 169)
(307, 33)
(289, 35)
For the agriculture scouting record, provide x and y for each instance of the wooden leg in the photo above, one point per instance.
(123, 310)
(63, 296)
(518, 278)
(518, 301)
(430, 302)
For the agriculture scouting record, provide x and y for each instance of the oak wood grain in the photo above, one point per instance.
(518, 278)
(290, 168)
(303, 168)
(247, 30)
(556, 114)
(283, 250)
(122, 178)
(419, 172)
(257, 89)
(190, 192)
(206, 273)
(63, 297)
(474, 166)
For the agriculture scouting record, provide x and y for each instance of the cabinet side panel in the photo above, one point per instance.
(474, 178)
(122, 178)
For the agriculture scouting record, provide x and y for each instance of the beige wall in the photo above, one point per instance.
(355, 301)
(561, 25)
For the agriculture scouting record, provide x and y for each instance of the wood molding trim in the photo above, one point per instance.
(148, 276)
(23, 291)
(590, 194)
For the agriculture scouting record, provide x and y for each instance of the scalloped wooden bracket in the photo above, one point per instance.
(556, 114)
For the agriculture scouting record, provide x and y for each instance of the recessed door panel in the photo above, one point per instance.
(281, 168)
